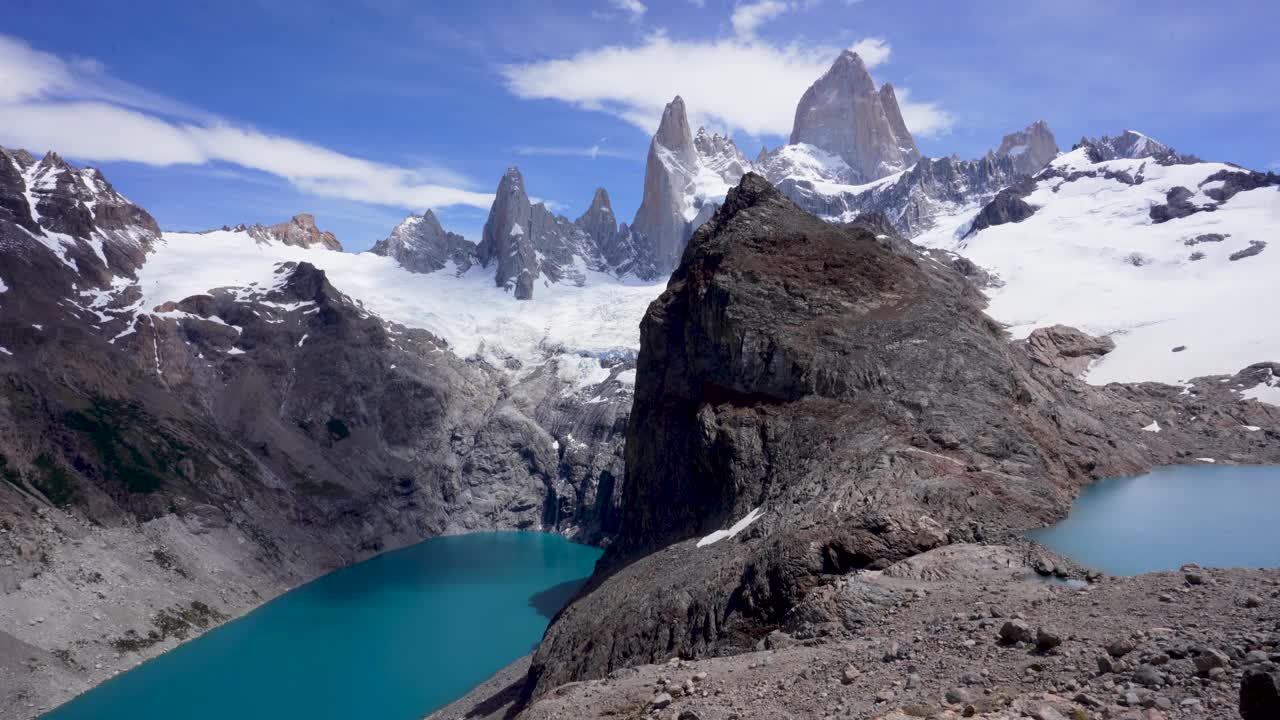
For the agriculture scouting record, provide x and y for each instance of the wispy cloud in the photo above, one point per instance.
(633, 8)
(748, 17)
(593, 151)
(75, 107)
(759, 96)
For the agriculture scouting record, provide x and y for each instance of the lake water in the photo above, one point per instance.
(1214, 515)
(391, 638)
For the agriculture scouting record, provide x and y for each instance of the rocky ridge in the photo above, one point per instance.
(797, 388)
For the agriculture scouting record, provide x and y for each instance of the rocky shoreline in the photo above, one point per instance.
(966, 631)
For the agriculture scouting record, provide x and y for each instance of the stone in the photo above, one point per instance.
(662, 700)
(1015, 631)
(1260, 695)
(959, 696)
(1119, 647)
(1047, 639)
(1194, 578)
(421, 245)
(1210, 659)
(849, 674)
(1148, 676)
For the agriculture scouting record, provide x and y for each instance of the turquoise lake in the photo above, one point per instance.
(1214, 515)
(392, 638)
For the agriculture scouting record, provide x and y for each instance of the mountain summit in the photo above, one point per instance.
(844, 114)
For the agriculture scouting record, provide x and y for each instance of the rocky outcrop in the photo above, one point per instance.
(844, 114)
(1031, 149)
(421, 244)
(298, 231)
(811, 400)
(623, 252)
(1131, 145)
(1007, 206)
(74, 213)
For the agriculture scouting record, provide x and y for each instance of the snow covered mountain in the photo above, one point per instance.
(1165, 255)
(421, 245)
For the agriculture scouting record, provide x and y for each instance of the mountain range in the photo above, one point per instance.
(216, 417)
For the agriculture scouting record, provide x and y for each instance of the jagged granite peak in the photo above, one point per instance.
(421, 244)
(721, 155)
(1031, 149)
(685, 178)
(524, 241)
(504, 243)
(812, 400)
(298, 231)
(75, 214)
(843, 114)
(673, 130)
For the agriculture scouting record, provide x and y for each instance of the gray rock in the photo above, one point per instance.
(1047, 639)
(844, 114)
(420, 244)
(959, 696)
(1016, 631)
(1031, 149)
(1255, 248)
(662, 700)
(1119, 647)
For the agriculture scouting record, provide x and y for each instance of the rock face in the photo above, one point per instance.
(1007, 206)
(685, 179)
(811, 400)
(298, 231)
(76, 214)
(422, 245)
(1031, 149)
(843, 114)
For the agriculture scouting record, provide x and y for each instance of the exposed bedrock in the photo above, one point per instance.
(856, 395)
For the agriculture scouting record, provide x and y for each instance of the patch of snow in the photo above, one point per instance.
(235, 351)
(733, 530)
(1067, 264)
(3, 287)
(1153, 427)
(627, 377)
(1268, 393)
(1207, 460)
(516, 230)
(1251, 428)
(5, 350)
(304, 339)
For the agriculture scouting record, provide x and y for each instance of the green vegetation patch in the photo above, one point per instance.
(174, 622)
(134, 450)
(54, 481)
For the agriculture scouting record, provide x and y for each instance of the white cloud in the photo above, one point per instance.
(74, 107)
(736, 84)
(634, 8)
(873, 51)
(748, 17)
(592, 151)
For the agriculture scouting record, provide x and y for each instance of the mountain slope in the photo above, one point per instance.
(811, 400)
(1168, 258)
(204, 420)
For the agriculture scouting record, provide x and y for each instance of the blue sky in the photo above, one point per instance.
(212, 113)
